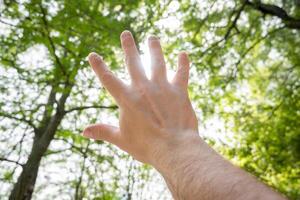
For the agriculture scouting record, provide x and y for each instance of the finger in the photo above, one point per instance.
(104, 132)
(114, 85)
(132, 57)
(158, 64)
(181, 77)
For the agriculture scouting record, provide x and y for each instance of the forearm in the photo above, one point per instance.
(193, 170)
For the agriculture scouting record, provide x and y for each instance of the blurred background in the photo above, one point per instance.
(245, 88)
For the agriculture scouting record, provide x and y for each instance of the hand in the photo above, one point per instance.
(155, 114)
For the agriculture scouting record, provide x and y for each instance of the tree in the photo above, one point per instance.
(245, 76)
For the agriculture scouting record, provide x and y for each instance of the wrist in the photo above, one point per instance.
(180, 152)
(192, 169)
(180, 160)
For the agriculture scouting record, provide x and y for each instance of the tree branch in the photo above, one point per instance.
(11, 161)
(52, 45)
(30, 123)
(233, 24)
(113, 107)
(273, 10)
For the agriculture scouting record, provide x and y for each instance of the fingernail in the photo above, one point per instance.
(152, 37)
(184, 53)
(87, 133)
(125, 34)
(94, 55)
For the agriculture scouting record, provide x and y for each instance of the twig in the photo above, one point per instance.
(11, 161)
(233, 24)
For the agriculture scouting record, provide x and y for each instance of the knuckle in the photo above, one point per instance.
(139, 93)
(106, 77)
(131, 59)
(142, 93)
(127, 42)
(159, 63)
(127, 60)
(123, 97)
(142, 88)
(157, 90)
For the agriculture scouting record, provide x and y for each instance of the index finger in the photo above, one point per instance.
(113, 84)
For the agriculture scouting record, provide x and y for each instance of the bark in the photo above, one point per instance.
(24, 186)
(23, 189)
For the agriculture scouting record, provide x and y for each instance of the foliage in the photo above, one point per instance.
(245, 76)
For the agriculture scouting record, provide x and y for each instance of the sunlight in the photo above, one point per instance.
(146, 61)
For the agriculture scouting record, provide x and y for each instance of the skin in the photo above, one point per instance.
(158, 126)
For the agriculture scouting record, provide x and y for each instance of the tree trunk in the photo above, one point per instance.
(24, 187)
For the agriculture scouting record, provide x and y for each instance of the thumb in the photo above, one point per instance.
(105, 132)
